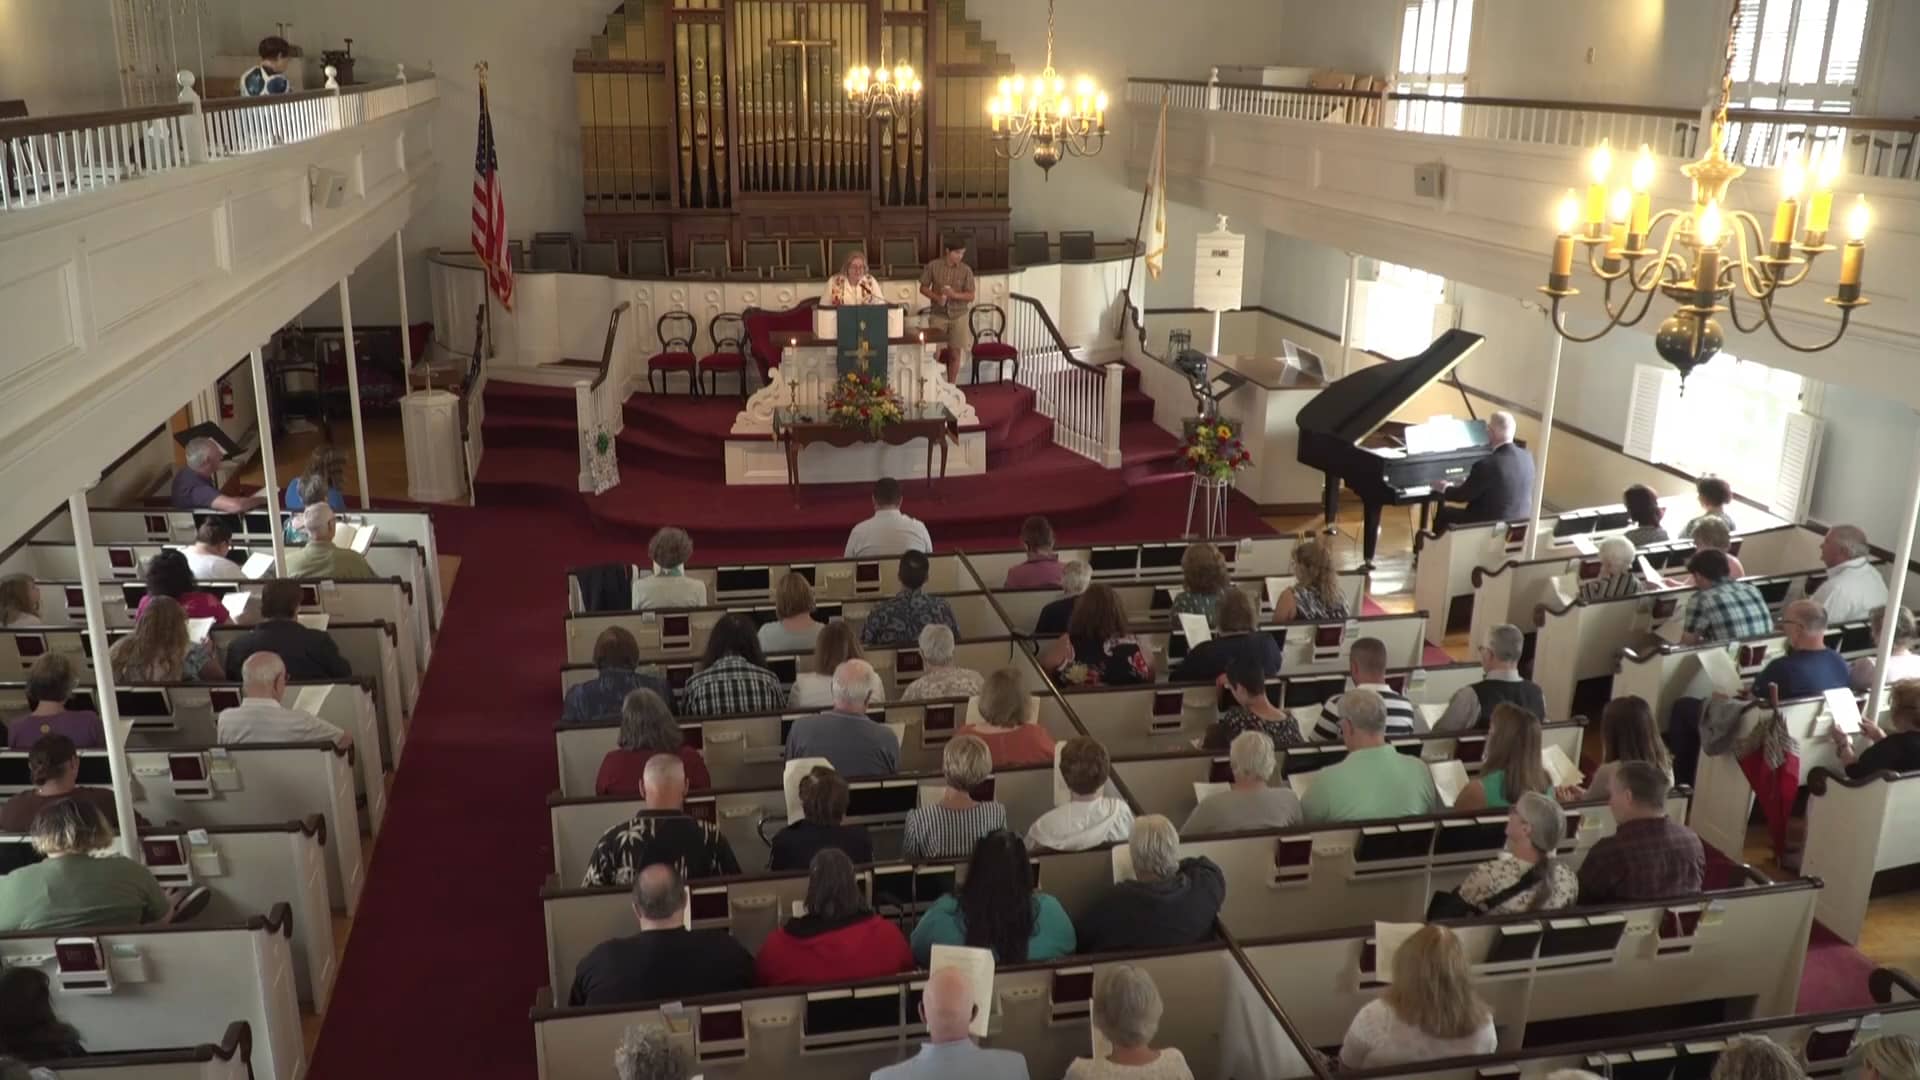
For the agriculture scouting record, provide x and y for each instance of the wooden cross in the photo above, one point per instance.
(803, 20)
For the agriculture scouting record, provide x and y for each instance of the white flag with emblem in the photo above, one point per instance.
(1157, 200)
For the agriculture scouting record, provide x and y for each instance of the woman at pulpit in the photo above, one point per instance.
(852, 285)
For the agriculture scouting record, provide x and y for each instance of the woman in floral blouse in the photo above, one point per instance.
(1098, 649)
(1203, 578)
(1535, 827)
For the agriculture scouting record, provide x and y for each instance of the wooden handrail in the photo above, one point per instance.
(1059, 341)
(606, 354)
(50, 125)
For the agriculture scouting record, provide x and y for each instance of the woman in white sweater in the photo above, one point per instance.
(1428, 1011)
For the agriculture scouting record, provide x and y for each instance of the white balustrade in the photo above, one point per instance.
(47, 159)
(1082, 400)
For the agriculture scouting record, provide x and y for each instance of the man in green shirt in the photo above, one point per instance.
(320, 558)
(1375, 780)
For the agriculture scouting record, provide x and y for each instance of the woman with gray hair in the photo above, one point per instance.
(1169, 901)
(941, 679)
(669, 586)
(647, 727)
(1903, 664)
(949, 827)
(1249, 802)
(648, 1053)
(1756, 1057)
(1526, 876)
(1127, 1010)
(80, 885)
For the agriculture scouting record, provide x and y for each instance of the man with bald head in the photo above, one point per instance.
(1853, 587)
(260, 717)
(947, 1006)
(665, 961)
(661, 832)
(1809, 668)
(1500, 486)
(853, 742)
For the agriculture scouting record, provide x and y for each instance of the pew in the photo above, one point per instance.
(897, 666)
(670, 634)
(1151, 602)
(165, 985)
(1722, 797)
(1823, 1041)
(1572, 963)
(1247, 556)
(148, 525)
(1442, 576)
(230, 1059)
(1308, 646)
(164, 715)
(752, 584)
(1856, 831)
(218, 786)
(1664, 674)
(1219, 1017)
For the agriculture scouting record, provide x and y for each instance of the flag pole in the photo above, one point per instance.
(1140, 228)
(483, 334)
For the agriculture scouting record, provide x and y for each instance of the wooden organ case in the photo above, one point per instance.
(707, 121)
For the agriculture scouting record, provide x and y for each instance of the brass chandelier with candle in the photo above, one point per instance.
(1691, 262)
(1048, 115)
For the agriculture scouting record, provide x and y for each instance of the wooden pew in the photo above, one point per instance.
(209, 787)
(1857, 830)
(897, 667)
(1249, 556)
(229, 1059)
(1219, 1018)
(1665, 674)
(1534, 968)
(1310, 646)
(172, 984)
(1151, 602)
(1444, 574)
(1822, 1040)
(752, 584)
(1722, 797)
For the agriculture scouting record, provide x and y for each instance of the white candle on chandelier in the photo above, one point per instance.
(1598, 165)
(1855, 253)
(1792, 180)
(1820, 210)
(1642, 191)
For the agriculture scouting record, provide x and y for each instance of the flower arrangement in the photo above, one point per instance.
(863, 401)
(1213, 449)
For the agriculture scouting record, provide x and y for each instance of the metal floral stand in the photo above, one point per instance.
(1211, 492)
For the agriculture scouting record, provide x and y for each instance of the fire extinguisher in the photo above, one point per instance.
(226, 400)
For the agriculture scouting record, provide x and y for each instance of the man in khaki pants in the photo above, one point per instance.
(948, 283)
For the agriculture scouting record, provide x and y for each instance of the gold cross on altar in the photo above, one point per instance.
(864, 353)
(803, 20)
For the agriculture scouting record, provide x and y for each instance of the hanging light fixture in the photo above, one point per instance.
(1041, 114)
(880, 94)
(1617, 231)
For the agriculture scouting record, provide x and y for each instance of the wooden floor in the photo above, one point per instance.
(386, 458)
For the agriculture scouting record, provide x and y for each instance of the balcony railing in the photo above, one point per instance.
(1870, 146)
(54, 158)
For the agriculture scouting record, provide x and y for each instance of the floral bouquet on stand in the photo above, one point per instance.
(863, 401)
(1213, 449)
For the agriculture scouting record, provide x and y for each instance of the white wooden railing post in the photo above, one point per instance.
(194, 133)
(1110, 420)
(333, 104)
(1213, 89)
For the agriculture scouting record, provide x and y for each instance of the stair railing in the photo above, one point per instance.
(1082, 400)
(598, 413)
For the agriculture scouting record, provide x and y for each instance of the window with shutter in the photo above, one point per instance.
(1795, 56)
(1434, 35)
(1653, 389)
(1742, 421)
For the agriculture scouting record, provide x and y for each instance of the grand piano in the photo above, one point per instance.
(1345, 433)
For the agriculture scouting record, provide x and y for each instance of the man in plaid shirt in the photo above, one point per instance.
(1648, 857)
(1726, 608)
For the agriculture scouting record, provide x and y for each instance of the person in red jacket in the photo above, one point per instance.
(647, 727)
(838, 939)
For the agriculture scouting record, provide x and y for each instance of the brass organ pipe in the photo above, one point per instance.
(743, 103)
(684, 104)
(717, 106)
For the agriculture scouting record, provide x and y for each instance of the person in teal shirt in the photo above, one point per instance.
(1375, 780)
(998, 902)
(1511, 765)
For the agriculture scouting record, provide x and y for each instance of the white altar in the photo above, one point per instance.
(805, 378)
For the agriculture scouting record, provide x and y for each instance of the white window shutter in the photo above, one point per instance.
(1799, 453)
(1656, 390)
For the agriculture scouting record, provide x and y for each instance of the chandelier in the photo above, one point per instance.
(1041, 114)
(1692, 263)
(878, 93)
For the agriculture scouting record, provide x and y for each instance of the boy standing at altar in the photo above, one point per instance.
(948, 283)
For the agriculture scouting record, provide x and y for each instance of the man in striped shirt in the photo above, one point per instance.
(1367, 667)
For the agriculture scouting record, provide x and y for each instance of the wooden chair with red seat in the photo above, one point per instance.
(989, 325)
(676, 330)
(728, 332)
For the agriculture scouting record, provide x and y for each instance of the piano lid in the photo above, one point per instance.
(1351, 408)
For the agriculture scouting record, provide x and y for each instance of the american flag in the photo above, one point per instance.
(490, 211)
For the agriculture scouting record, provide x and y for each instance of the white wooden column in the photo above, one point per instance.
(264, 411)
(103, 690)
(1896, 590)
(353, 393)
(406, 335)
(1534, 545)
(1346, 316)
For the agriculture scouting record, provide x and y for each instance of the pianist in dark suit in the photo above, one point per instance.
(1500, 487)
